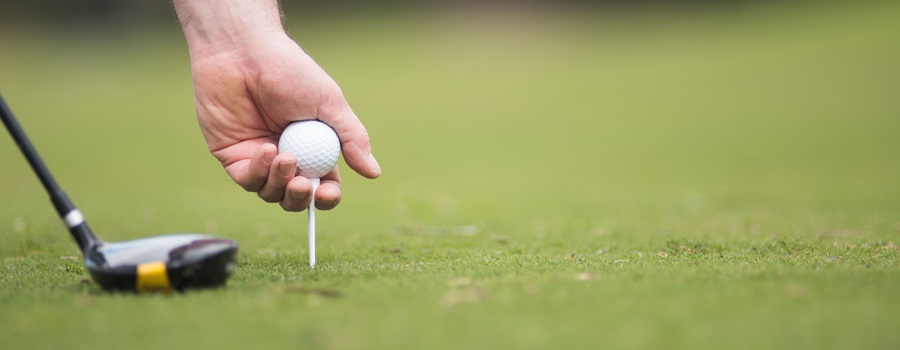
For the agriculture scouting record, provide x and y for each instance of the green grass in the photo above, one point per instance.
(693, 179)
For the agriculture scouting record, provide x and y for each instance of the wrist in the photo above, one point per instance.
(213, 27)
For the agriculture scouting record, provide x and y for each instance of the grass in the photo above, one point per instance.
(699, 179)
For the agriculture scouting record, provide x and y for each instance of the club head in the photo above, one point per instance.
(162, 263)
(159, 263)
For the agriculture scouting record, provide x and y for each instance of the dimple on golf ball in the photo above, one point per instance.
(314, 143)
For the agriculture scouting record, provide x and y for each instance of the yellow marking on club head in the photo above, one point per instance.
(152, 277)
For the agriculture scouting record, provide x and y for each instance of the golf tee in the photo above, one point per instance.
(312, 223)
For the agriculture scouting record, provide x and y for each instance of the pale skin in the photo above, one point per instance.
(251, 81)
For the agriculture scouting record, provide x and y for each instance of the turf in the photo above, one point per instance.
(671, 179)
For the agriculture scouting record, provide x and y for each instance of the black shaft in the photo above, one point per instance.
(82, 234)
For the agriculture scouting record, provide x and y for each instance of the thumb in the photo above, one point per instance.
(354, 141)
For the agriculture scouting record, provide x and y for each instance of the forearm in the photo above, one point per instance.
(216, 26)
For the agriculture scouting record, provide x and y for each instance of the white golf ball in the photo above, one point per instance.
(314, 143)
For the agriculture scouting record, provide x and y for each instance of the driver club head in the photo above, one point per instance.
(162, 263)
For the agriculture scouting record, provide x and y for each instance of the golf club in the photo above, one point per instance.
(161, 263)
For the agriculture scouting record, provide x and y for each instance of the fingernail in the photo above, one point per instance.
(374, 164)
(299, 196)
(286, 168)
(269, 155)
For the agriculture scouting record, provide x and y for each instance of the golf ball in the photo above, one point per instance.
(314, 143)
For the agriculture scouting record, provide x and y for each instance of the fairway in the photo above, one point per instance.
(698, 179)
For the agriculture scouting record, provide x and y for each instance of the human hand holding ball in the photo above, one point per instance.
(251, 80)
(317, 148)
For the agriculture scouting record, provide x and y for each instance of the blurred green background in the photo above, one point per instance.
(758, 142)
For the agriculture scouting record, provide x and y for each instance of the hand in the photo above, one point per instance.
(248, 91)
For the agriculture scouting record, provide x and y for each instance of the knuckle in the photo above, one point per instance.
(363, 133)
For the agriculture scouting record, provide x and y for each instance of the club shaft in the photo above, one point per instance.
(312, 223)
(64, 207)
